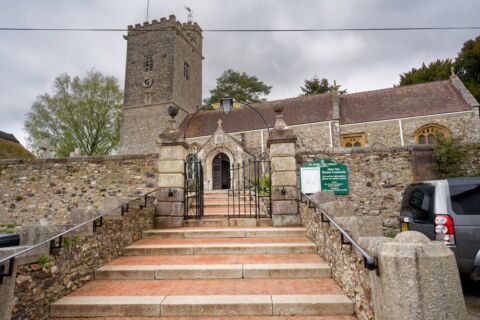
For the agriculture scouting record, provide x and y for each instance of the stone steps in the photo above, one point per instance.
(223, 233)
(234, 273)
(213, 271)
(199, 246)
(235, 222)
(219, 248)
(336, 317)
(201, 305)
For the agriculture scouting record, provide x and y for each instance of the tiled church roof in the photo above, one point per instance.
(402, 102)
(392, 103)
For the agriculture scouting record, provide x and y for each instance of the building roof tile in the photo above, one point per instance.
(391, 103)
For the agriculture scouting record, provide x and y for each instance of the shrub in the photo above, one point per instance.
(448, 156)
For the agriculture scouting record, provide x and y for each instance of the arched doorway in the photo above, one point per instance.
(221, 172)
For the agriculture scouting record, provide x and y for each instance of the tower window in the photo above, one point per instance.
(148, 63)
(186, 71)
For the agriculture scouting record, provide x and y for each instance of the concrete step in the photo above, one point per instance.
(337, 317)
(213, 271)
(235, 222)
(203, 305)
(215, 297)
(225, 209)
(223, 233)
(219, 248)
(200, 246)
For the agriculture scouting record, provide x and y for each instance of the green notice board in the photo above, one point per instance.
(324, 175)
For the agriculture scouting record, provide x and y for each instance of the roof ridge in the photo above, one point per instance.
(297, 97)
(424, 84)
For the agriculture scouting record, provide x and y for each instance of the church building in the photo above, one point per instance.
(164, 68)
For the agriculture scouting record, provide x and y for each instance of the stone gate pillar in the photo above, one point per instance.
(169, 210)
(284, 173)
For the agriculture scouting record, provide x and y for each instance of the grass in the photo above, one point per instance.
(12, 150)
(45, 262)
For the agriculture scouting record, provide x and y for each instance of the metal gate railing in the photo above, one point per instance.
(250, 193)
(194, 204)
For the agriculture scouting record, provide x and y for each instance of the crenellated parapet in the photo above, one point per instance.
(191, 31)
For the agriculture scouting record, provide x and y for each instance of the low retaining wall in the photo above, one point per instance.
(44, 281)
(347, 265)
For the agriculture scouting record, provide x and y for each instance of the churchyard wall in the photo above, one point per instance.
(378, 177)
(32, 190)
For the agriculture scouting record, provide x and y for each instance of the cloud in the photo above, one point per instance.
(29, 61)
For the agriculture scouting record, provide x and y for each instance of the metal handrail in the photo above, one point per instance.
(369, 261)
(30, 248)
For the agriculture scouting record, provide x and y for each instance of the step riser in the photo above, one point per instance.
(215, 272)
(239, 223)
(240, 305)
(216, 250)
(223, 234)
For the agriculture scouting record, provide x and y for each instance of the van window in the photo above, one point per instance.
(418, 203)
(465, 199)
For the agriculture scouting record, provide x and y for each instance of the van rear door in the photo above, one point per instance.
(417, 205)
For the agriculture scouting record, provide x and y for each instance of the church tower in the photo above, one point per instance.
(164, 67)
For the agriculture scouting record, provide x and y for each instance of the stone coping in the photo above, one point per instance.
(94, 159)
(341, 150)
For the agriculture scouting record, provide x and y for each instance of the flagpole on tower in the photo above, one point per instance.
(148, 5)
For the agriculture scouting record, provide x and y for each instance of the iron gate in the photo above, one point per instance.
(194, 204)
(250, 193)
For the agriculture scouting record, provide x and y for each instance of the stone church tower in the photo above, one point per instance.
(164, 67)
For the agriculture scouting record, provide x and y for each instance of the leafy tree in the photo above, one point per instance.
(434, 71)
(467, 66)
(239, 86)
(315, 85)
(81, 113)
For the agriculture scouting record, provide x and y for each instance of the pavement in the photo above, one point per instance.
(471, 291)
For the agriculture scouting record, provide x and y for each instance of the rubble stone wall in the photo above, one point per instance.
(40, 284)
(31, 190)
(378, 177)
(348, 269)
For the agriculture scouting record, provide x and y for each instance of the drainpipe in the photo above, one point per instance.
(401, 132)
(331, 134)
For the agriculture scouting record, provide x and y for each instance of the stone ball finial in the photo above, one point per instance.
(172, 111)
(278, 109)
(412, 237)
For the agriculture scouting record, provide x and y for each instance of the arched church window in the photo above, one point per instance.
(427, 133)
(354, 140)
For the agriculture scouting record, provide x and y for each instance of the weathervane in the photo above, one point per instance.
(189, 14)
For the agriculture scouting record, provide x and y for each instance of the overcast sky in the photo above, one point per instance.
(359, 61)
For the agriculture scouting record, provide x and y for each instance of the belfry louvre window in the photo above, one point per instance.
(427, 133)
(148, 63)
(186, 71)
(353, 140)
